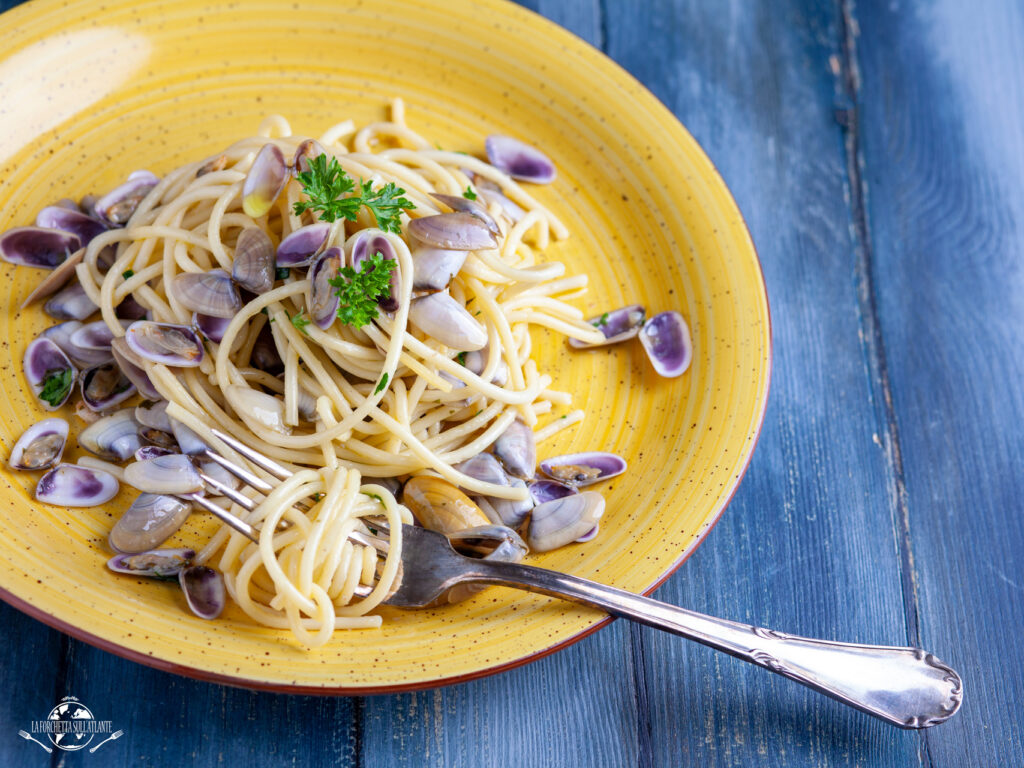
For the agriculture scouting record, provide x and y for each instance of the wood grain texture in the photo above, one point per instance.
(877, 152)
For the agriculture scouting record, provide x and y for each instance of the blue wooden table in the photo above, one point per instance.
(876, 150)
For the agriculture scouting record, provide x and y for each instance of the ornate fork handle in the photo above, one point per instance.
(907, 687)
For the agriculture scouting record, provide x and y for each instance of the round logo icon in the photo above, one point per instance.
(70, 738)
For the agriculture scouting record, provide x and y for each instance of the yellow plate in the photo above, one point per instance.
(92, 91)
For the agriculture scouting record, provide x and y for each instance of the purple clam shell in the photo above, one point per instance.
(37, 247)
(211, 327)
(549, 490)
(43, 357)
(577, 469)
(158, 563)
(105, 386)
(94, 336)
(211, 293)
(368, 245)
(190, 443)
(305, 152)
(61, 335)
(175, 345)
(145, 452)
(457, 231)
(253, 266)
(265, 356)
(123, 357)
(204, 591)
(299, 248)
(516, 448)
(519, 160)
(68, 485)
(472, 207)
(434, 268)
(71, 303)
(589, 535)
(85, 228)
(130, 309)
(264, 182)
(618, 325)
(666, 339)
(483, 467)
(148, 523)
(322, 301)
(53, 433)
(117, 206)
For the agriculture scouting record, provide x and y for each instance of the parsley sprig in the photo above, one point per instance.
(56, 384)
(358, 292)
(300, 321)
(333, 195)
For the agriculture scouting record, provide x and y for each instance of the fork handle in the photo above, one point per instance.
(907, 687)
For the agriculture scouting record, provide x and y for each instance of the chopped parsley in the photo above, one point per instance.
(381, 502)
(383, 383)
(281, 273)
(461, 357)
(601, 321)
(333, 195)
(300, 321)
(469, 194)
(56, 385)
(359, 292)
(127, 273)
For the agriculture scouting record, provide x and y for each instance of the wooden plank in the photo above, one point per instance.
(808, 544)
(941, 136)
(30, 657)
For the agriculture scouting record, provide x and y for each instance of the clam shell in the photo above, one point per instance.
(264, 182)
(170, 474)
(213, 328)
(516, 448)
(299, 247)
(322, 299)
(119, 205)
(440, 506)
(457, 231)
(40, 446)
(69, 485)
(582, 469)
(157, 563)
(305, 152)
(44, 358)
(129, 363)
(175, 345)
(114, 437)
(148, 523)
(442, 318)
(259, 407)
(617, 325)
(153, 415)
(56, 279)
(666, 340)
(509, 511)
(105, 386)
(472, 207)
(548, 490)
(70, 303)
(151, 452)
(434, 268)
(189, 442)
(519, 160)
(210, 293)
(253, 267)
(483, 467)
(94, 337)
(562, 521)
(204, 590)
(37, 247)
(85, 228)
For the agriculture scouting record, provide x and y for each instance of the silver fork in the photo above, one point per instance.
(907, 687)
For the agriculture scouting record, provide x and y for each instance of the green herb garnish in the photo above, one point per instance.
(381, 502)
(56, 385)
(469, 194)
(383, 383)
(601, 321)
(359, 291)
(300, 321)
(127, 273)
(281, 273)
(334, 195)
(461, 357)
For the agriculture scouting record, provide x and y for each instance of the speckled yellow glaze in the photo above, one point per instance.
(92, 91)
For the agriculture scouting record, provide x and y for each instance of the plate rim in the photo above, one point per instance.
(241, 681)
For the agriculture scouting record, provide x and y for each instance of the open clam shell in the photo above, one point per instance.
(69, 485)
(666, 339)
(443, 318)
(156, 563)
(472, 207)
(37, 246)
(119, 205)
(40, 446)
(434, 268)
(582, 469)
(129, 364)
(70, 303)
(148, 523)
(213, 328)
(617, 325)
(305, 152)
(253, 267)
(322, 298)
(175, 345)
(562, 521)
(105, 386)
(85, 228)
(548, 490)
(519, 160)
(299, 247)
(204, 590)
(516, 448)
(49, 372)
(153, 415)
(458, 231)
